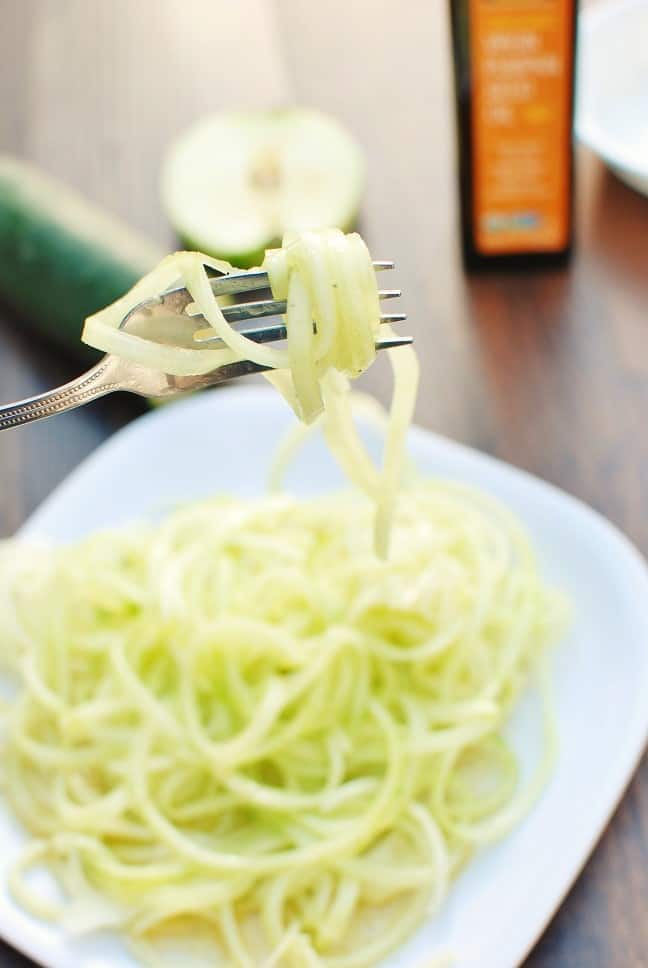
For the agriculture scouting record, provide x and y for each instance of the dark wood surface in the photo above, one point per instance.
(548, 371)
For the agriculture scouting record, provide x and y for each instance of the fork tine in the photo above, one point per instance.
(274, 332)
(277, 307)
(254, 310)
(392, 342)
(179, 299)
(239, 282)
(250, 281)
(231, 371)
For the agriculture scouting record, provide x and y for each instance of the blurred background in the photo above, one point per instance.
(547, 369)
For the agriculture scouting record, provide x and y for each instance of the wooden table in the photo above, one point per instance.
(548, 371)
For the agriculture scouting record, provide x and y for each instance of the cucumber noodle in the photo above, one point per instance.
(242, 731)
(242, 716)
(332, 322)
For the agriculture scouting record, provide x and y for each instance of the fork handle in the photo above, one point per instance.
(97, 382)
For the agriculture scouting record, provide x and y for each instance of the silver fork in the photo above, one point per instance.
(168, 319)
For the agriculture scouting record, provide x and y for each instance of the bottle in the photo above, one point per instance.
(514, 87)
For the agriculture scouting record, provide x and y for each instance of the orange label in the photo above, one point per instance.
(521, 76)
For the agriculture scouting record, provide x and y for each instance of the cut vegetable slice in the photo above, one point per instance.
(234, 184)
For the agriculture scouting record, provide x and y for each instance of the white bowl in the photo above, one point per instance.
(612, 87)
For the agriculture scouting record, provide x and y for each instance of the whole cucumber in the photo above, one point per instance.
(61, 257)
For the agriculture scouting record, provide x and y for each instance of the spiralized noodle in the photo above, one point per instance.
(332, 321)
(243, 730)
(242, 721)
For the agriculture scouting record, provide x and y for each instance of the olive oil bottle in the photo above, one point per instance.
(514, 86)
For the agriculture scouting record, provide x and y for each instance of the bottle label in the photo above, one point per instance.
(521, 77)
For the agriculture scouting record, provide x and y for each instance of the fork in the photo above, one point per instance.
(169, 318)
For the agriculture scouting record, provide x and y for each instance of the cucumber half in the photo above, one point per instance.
(234, 184)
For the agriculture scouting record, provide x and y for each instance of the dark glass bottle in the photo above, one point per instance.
(514, 86)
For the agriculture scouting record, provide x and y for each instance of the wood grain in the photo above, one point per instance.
(548, 371)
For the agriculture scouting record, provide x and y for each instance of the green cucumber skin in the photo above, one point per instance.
(62, 258)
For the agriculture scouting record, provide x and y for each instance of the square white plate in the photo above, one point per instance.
(497, 908)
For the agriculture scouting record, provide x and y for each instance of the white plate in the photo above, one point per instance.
(498, 907)
(612, 102)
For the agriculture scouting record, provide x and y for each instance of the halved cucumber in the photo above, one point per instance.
(234, 184)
